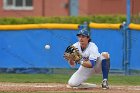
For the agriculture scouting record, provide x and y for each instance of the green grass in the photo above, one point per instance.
(117, 80)
(33, 78)
(63, 78)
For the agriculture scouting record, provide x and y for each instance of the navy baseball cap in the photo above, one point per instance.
(83, 31)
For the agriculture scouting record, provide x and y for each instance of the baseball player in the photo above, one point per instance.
(92, 61)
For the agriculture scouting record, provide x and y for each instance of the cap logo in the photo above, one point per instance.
(82, 31)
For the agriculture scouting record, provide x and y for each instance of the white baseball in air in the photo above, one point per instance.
(47, 47)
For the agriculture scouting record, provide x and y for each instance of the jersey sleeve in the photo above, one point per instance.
(76, 44)
(94, 53)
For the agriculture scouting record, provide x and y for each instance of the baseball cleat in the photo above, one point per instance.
(83, 86)
(105, 84)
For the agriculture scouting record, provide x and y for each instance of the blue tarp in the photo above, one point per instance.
(135, 45)
(25, 48)
(110, 41)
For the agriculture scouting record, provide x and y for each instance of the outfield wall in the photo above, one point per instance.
(22, 46)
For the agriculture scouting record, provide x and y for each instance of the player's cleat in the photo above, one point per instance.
(105, 84)
(83, 86)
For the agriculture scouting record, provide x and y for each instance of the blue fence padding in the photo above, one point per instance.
(135, 50)
(110, 41)
(26, 48)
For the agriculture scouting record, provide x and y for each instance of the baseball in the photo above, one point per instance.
(47, 47)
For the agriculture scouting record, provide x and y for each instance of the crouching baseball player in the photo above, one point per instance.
(85, 53)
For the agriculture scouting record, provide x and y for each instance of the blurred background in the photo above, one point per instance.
(25, 8)
(22, 50)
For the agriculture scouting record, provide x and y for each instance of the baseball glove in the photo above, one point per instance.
(72, 54)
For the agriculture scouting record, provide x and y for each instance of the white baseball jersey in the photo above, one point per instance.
(91, 52)
(83, 73)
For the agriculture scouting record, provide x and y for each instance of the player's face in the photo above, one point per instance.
(83, 40)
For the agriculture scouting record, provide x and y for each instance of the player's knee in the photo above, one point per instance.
(105, 55)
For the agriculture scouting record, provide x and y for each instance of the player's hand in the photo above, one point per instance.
(71, 63)
(72, 55)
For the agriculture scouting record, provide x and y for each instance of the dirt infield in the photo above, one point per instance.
(55, 87)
